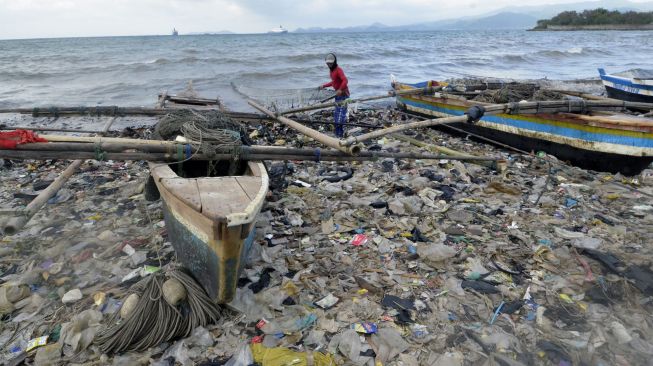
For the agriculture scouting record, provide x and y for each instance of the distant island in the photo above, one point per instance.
(597, 19)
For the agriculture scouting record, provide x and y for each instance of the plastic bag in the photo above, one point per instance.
(388, 344)
(242, 357)
(282, 356)
(436, 253)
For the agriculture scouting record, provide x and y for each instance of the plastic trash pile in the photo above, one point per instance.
(375, 263)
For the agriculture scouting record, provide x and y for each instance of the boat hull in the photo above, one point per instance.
(572, 138)
(624, 95)
(214, 249)
(586, 159)
(625, 88)
(215, 263)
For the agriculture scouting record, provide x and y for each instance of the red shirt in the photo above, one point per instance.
(338, 81)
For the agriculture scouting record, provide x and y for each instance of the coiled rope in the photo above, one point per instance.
(153, 320)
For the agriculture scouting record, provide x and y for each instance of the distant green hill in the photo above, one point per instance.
(597, 19)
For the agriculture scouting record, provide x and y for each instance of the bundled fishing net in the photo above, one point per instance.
(162, 307)
(213, 127)
(544, 94)
(207, 132)
(283, 99)
(508, 93)
(502, 91)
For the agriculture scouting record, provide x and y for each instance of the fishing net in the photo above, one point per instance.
(502, 91)
(544, 94)
(207, 132)
(153, 319)
(212, 127)
(279, 100)
(507, 93)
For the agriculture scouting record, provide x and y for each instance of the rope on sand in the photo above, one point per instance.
(153, 319)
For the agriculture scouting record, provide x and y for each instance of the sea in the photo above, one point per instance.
(132, 71)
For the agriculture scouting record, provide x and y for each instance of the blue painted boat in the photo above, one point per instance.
(632, 85)
(612, 142)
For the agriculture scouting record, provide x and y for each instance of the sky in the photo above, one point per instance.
(86, 18)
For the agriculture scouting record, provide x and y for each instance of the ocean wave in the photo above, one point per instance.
(29, 75)
(128, 69)
(306, 57)
(512, 58)
(265, 75)
(159, 61)
(541, 55)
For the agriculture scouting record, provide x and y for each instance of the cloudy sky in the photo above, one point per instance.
(74, 18)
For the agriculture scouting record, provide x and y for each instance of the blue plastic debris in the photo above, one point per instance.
(570, 202)
(497, 312)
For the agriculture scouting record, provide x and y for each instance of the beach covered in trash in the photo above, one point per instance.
(386, 262)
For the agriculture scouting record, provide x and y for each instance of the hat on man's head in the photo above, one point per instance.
(330, 58)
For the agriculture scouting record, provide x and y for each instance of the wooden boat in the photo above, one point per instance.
(633, 85)
(602, 141)
(211, 220)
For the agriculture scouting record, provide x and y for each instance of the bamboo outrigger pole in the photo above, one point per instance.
(408, 126)
(113, 111)
(352, 149)
(172, 158)
(171, 152)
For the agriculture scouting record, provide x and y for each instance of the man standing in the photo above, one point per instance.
(339, 83)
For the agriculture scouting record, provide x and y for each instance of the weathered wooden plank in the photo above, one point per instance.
(184, 189)
(250, 185)
(221, 196)
(160, 171)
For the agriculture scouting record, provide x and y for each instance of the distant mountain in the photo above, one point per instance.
(511, 17)
(505, 20)
(375, 27)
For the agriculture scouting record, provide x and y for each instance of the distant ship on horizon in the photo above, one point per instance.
(174, 32)
(280, 30)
